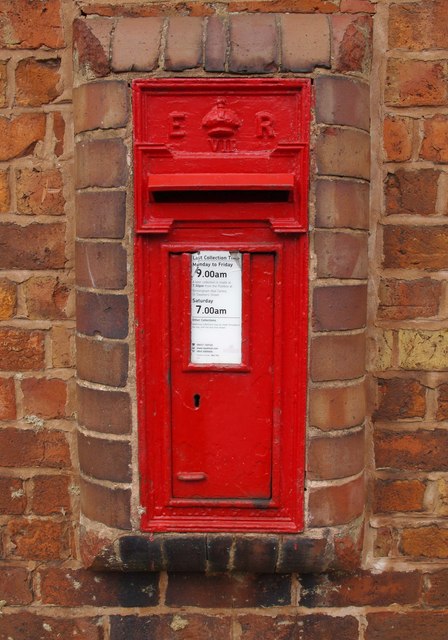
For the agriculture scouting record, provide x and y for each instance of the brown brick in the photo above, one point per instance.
(3, 82)
(106, 505)
(409, 299)
(215, 44)
(383, 543)
(418, 26)
(62, 346)
(27, 448)
(104, 459)
(184, 43)
(50, 495)
(181, 626)
(101, 163)
(300, 6)
(103, 362)
(15, 586)
(289, 627)
(416, 247)
(418, 450)
(45, 398)
(20, 135)
(136, 44)
(352, 43)
(341, 254)
(7, 399)
(311, 49)
(400, 398)
(35, 246)
(104, 411)
(48, 298)
(100, 105)
(435, 141)
(397, 138)
(100, 214)
(436, 592)
(336, 504)
(412, 192)
(12, 499)
(342, 101)
(357, 6)
(8, 299)
(425, 542)
(59, 133)
(343, 152)
(339, 308)
(338, 357)
(37, 81)
(26, 25)
(253, 44)
(415, 83)
(398, 495)
(38, 539)
(337, 407)
(5, 196)
(442, 402)
(342, 203)
(91, 42)
(28, 625)
(40, 192)
(21, 350)
(102, 314)
(337, 457)
(100, 265)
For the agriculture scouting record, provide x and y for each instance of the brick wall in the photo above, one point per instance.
(279, 587)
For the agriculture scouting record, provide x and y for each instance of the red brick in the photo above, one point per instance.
(343, 101)
(8, 299)
(436, 592)
(38, 539)
(27, 448)
(253, 44)
(48, 298)
(100, 105)
(425, 542)
(383, 543)
(312, 49)
(101, 163)
(45, 398)
(102, 362)
(40, 192)
(341, 254)
(418, 26)
(12, 498)
(7, 399)
(336, 504)
(435, 141)
(418, 450)
(348, 544)
(100, 214)
(343, 152)
(100, 265)
(337, 407)
(338, 357)
(15, 586)
(20, 135)
(37, 81)
(442, 402)
(35, 246)
(23, 625)
(106, 505)
(50, 495)
(298, 6)
(416, 247)
(412, 192)
(339, 308)
(357, 6)
(104, 411)
(352, 43)
(416, 83)
(215, 44)
(104, 459)
(91, 41)
(181, 626)
(136, 44)
(102, 314)
(184, 43)
(5, 195)
(337, 457)
(409, 299)
(397, 138)
(59, 133)
(342, 203)
(3, 82)
(290, 627)
(398, 495)
(21, 350)
(26, 25)
(400, 399)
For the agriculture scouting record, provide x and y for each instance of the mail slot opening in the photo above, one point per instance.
(216, 196)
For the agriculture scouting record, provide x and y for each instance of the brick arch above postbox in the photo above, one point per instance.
(334, 51)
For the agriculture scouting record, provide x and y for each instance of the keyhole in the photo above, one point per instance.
(196, 400)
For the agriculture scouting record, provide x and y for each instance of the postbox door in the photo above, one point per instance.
(222, 415)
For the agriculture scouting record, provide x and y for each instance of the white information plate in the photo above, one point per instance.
(216, 307)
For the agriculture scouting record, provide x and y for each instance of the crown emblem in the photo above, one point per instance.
(220, 121)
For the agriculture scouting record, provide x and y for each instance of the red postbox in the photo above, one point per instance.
(221, 173)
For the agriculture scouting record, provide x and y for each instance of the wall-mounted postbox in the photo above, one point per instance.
(221, 172)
